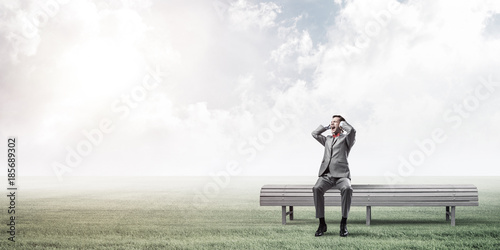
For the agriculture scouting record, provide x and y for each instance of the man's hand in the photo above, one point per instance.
(341, 128)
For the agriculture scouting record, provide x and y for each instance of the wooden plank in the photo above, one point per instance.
(382, 199)
(292, 201)
(377, 198)
(433, 194)
(365, 202)
(310, 201)
(385, 204)
(379, 204)
(444, 194)
(374, 193)
(374, 198)
(379, 186)
(370, 189)
(333, 190)
(376, 186)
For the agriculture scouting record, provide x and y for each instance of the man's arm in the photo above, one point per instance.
(317, 134)
(350, 131)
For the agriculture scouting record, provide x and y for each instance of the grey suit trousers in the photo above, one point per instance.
(326, 182)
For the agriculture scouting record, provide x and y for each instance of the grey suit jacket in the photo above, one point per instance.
(336, 150)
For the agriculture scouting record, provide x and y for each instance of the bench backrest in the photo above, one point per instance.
(374, 195)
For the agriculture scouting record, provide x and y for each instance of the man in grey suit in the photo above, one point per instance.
(334, 171)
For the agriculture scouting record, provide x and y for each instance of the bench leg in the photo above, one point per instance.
(447, 213)
(452, 216)
(283, 215)
(368, 215)
(291, 212)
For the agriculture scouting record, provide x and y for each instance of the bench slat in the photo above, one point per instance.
(372, 190)
(305, 188)
(385, 198)
(386, 204)
(375, 186)
(374, 194)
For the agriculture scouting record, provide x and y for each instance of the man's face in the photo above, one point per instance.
(335, 125)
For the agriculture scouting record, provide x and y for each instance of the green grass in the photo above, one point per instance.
(156, 213)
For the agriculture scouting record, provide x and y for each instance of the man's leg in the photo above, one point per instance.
(344, 185)
(319, 189)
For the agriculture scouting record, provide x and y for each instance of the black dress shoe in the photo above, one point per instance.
(321, 230)
(343, 230)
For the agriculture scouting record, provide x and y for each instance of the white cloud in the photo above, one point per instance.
(296, 44)
(244, 15)
(18, 33)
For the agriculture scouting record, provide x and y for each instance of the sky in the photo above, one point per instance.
(235, 87)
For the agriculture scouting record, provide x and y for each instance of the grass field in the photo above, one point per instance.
(159, 213)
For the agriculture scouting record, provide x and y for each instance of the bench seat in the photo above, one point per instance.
(448, 196)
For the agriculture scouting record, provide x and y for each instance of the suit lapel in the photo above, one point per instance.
(332, 142)
(335, 140)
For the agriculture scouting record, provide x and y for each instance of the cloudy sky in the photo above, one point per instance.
(128, 87)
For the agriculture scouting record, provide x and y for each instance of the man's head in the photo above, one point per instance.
(335, 124)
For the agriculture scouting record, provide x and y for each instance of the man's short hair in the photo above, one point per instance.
(339, 116)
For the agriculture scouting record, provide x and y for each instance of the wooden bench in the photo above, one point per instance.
(374, 195)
